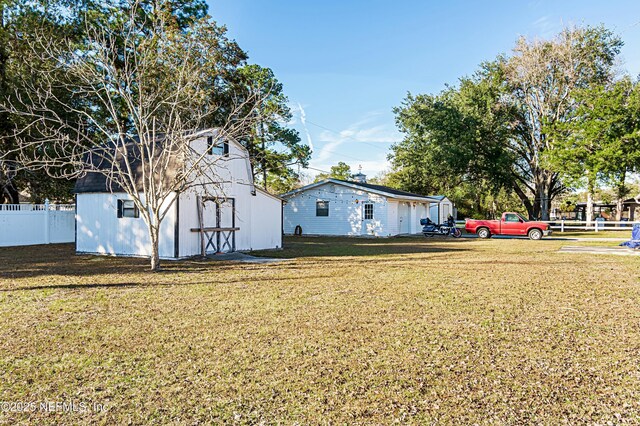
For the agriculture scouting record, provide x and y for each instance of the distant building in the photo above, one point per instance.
(440, 210)
(340, 207)
(630, 210)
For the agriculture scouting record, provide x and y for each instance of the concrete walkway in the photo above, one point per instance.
(243, 258)
(623, 251)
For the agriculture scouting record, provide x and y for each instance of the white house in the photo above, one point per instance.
(107, 222)
(441, 209)
(338, 207)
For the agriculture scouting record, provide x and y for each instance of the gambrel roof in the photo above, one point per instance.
(99, 182)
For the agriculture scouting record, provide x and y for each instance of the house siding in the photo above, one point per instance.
(345, 214)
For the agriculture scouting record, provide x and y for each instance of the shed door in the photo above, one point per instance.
(367, 219)
(403, 218)
(219, 213)
(446, 211)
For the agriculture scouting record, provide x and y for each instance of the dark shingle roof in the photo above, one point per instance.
(383, 188)
(98, 181)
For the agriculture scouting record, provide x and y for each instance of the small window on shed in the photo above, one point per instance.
(322, 208)
(368, 211)
(218, 147)
(127, 208)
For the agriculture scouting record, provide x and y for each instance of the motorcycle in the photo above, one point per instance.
(431, 229)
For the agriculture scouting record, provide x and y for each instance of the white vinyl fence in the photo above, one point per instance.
(594, 225)
(580, 225)
(29, 224)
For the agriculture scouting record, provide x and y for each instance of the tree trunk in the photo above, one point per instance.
(589, 212)
(155, 252)
(542, 200)
(621, 192)
(8, 193)
(264, 159)
(525, 200)
(619, 208)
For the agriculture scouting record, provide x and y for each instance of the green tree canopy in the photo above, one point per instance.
(275, 149)
(600, 142)
(340, 171)
(495, 126)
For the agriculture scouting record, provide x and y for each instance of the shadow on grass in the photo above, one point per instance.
(61, 260)
(147, 284)
(297, 247)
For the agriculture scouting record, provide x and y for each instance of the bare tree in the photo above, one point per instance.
(141, 89)
(542, 78)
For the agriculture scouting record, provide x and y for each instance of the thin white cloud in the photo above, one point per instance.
(303, 120)
(546, 27)
(298, 113)
(363, 131)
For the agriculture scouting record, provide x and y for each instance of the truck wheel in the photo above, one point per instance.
(483, 233)
(535, 234)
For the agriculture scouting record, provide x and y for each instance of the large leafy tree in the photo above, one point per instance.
(455, 140)
(600, 142)
(495, 126)
(64, 21)
(542, 79)
(275, 147)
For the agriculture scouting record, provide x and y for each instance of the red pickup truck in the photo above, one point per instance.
(510, 224)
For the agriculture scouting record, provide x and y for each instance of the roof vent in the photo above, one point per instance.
(359, 177)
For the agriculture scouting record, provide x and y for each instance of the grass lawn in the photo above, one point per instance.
(349, 331)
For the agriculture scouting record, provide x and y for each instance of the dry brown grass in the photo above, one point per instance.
(350, 331)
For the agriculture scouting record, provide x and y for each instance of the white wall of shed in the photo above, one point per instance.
(99, 230)
(266, 222)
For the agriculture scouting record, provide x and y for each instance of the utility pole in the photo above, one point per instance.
(264, 158)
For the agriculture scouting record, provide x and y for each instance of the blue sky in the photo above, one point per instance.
(345, 64)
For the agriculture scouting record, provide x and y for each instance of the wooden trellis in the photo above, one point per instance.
(219, 238)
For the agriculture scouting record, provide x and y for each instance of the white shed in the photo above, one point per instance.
(107, 222)
(441, 209)
(338, 207)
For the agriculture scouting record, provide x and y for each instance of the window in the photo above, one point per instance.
(511, 218)
(368, 211)
(322, 208)
(219, 148)
(127, 208)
